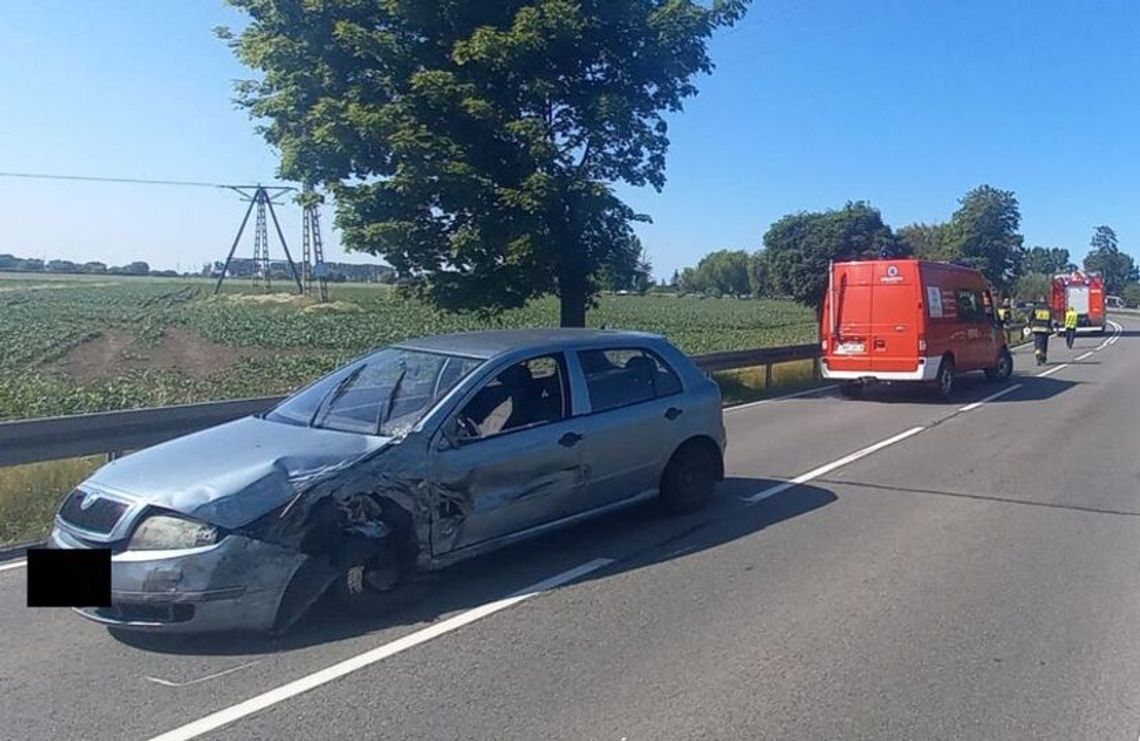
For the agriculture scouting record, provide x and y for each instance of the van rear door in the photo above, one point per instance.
(895, 316)
(849, 312)
(1077, 297)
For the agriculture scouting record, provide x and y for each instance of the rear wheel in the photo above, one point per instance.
(851, 389)
(1004, 367)
(944, 383)
(689, 478)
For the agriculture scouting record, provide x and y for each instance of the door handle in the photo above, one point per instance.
(570, 439)
(672, 413)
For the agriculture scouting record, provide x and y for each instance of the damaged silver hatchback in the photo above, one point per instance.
(405, 460)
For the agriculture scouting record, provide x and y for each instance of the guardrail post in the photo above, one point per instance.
(112, 455)
(767, 376)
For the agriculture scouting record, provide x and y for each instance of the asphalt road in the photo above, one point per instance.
(970, 572)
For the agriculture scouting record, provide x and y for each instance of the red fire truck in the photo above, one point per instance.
(1083, 291)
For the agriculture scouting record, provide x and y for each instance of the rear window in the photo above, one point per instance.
(623, 376)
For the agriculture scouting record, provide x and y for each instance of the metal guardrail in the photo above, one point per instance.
(53, 438)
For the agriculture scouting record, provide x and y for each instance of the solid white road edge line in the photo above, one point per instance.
(13, 565)
(1052, 370)
(829, 467)
(805, 392)
(991, 397)
(304, 684)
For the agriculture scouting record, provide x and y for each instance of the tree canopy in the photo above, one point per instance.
(1047, 260)
(984, 233)
(474, 144)
(720, 273)
(799, 247)
(1105, 257)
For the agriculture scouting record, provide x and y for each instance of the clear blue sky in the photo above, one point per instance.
(815, 102)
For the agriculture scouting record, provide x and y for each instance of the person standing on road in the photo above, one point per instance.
(1071, 319)
(1041, 325)
(1005, 312)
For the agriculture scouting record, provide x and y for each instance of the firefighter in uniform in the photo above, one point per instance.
(1041, 325)
(1005, 312)
(1071, 320)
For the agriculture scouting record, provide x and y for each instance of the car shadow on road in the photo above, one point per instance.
(970, 390)
(635, 538)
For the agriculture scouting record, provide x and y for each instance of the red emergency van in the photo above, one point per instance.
(1084, 292)
(909, 321)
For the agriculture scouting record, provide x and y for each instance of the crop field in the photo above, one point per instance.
(98, 343)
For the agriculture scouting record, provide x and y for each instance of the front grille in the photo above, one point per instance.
(100, 516)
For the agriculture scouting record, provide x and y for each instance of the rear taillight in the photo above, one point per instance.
(823, 345)
(921, 344)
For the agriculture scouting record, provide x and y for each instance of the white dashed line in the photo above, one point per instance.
(1082, 357)
(13, 565)
(1052, 370)
(336, 671)
(829, 467)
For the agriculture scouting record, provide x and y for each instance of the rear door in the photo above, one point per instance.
(894, 327)
(1077, 297)
(634, 425)
(850, 317)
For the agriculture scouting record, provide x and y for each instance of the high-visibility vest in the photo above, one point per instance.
(1071, 318)
(1041, 320)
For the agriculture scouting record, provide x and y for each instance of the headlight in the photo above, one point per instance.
(166, 532)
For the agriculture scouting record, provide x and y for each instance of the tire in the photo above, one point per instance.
(851, 389)
(1004, 368)
(377, 587)
(944, 384)
(688, 480)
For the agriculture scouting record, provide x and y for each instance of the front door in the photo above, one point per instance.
(515, 458)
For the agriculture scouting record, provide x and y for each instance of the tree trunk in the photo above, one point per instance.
(572, 292)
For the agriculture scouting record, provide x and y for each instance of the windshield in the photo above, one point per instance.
(385, 393)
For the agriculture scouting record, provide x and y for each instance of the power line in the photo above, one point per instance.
(136, 181)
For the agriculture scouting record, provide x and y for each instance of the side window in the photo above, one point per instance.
(620, 377)
(526, 394)
(969, 306)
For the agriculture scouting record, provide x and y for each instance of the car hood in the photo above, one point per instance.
(232, 474)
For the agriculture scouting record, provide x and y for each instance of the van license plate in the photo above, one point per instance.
(850, 348)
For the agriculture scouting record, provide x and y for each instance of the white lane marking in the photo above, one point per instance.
(991, 397)
(1052, 370)
(304, 684)
(779, 398)
(168, 683)
(829, 467)
(1082, 357)
(13, 565)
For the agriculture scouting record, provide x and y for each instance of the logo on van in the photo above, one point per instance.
(892, 275)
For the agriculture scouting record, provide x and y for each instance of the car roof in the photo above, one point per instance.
(492, 343)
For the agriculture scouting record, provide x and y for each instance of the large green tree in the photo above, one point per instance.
(1047, 260)
(799, 247)
(1105, 257)
(627, 268)
(474, 143)
(984, 232)
(720, 273)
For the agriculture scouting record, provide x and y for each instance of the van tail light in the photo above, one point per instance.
(823, 344)
(921, 343)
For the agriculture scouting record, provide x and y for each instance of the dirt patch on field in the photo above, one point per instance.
(183, 350)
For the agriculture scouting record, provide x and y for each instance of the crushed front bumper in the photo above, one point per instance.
(235, 584)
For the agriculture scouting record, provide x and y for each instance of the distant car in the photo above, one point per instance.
(405, 460)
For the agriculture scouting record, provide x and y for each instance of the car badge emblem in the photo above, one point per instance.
(88, 501)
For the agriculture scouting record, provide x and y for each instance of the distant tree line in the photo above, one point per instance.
(984, 232)
(337, 272)
(33, 265)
